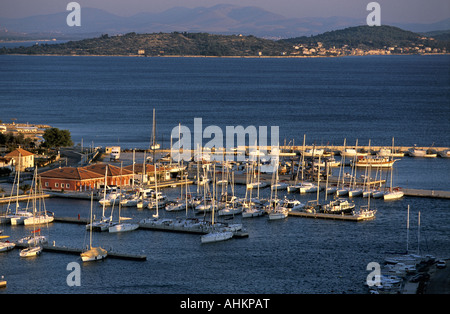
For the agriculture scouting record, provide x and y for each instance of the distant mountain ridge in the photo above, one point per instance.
(219, 19)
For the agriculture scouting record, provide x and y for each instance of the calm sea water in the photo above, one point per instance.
(109, 100)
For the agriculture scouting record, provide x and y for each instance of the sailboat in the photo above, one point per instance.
(34, 249)
(105, 222)
(6, 246)
(93, 253)
(354, 191)
(20, 215)
(394, 193)
(122, 226)
(276, 210)
(217, 234)
(42, 217)
(342, 190)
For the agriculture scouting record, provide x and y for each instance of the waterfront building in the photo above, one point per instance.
(84, 178)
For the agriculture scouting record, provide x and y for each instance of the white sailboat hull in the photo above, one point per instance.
(356, 192)
(252, 213)
(393, 195)
(216, 236)
(38, 220)
(94, 254)
(31, 251)
(122, 227)
(6, 246)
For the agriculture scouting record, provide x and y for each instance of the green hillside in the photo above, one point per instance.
(349, 41)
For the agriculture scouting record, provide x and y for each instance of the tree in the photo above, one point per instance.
(55, 137)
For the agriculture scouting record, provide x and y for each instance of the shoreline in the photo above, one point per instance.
(229, 57)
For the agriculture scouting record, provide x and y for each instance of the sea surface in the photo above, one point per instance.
(110, 101)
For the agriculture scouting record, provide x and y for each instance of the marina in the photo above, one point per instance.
(249, 252)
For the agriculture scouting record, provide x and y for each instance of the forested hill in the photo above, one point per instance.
(371, 38)
(350, 41)
(184, 44)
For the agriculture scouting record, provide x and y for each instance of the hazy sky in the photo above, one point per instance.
(402, 11)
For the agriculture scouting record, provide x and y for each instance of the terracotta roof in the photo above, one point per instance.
(112, 170)
(19, 151)
(70, 173)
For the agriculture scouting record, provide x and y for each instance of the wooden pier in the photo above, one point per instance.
(77, 251)
(329, 216)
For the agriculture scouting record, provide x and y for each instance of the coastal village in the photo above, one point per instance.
(111, 175)
(318, 49)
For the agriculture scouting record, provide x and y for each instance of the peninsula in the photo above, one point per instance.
(359, 40)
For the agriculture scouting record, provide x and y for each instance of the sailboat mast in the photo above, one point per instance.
(418, 236)
(407, 231)
(90, 235)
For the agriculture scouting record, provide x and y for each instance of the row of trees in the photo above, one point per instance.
(53, 137)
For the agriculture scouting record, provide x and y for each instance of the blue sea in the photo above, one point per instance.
(110, 100)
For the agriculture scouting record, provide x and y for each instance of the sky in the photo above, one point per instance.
(400, 11)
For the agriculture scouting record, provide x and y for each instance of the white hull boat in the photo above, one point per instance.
(229, 211)
(355, 192)
(122, 227)
(176, 207)
(278, 213)
(216, 236)
(256, 184)
(6, 246)
(39, 239)
(94, 254)
(31, 251)
(393, 195)
(280, 186)
(254, 212)
(307, 187)
(38, 220)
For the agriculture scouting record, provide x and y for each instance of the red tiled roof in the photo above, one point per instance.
(70, 173)
(112, 170)
(19, 152)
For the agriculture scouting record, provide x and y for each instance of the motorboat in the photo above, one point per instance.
(293, 204)
(338, 206)
(375, 162)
